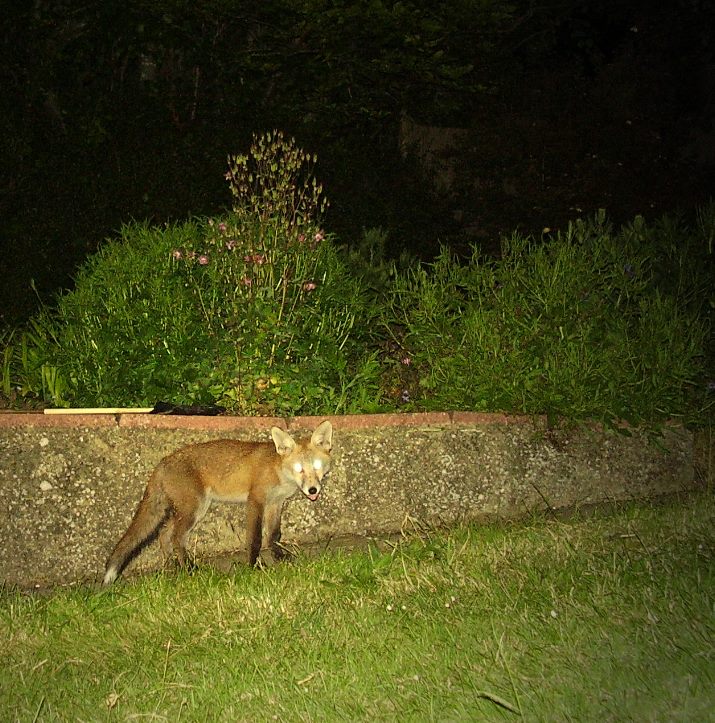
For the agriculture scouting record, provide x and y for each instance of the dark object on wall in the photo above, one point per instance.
(209, 410)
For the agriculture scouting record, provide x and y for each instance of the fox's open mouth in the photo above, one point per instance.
(312, 494)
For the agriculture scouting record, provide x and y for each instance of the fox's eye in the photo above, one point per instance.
(317, 465)
(297, 467)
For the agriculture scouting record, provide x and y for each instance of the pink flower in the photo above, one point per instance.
(319, 236)
(310, 286)
(259, 259)
(176, 254)
(246, 281)
(203, 259)
(406, 361)
(301, 238)
(222, 227)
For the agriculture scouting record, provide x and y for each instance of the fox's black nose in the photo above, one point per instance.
(312, 490)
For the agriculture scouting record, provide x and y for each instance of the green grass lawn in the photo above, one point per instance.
(606, 618)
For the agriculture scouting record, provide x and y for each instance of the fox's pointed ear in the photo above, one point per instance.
(323, 436)
(283, 441)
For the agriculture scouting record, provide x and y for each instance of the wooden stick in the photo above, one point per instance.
(102, 410)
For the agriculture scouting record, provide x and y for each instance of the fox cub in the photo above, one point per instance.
(261, 474)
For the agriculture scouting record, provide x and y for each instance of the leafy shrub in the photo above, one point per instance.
(254, 311)
(260, 312)
(580, 325)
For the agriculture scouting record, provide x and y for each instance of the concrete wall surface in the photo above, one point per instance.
(69, 484)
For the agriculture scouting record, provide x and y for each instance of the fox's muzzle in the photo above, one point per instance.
(312, 493)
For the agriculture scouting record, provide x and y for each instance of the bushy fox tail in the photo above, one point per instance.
(151, 512)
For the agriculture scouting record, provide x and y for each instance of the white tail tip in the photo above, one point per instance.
(110, 575)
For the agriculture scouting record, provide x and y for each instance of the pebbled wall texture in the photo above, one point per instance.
(69, 484)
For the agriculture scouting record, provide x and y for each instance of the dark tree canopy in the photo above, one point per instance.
(116, 109)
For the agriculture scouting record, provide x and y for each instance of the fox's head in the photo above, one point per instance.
(305, 464)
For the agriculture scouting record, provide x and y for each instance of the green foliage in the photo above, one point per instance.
(254, 311)
(205, 311)
(260, 312)
(586, 324)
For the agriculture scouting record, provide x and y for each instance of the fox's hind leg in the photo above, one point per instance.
(165, 537)
(185, 517)
(188, 506)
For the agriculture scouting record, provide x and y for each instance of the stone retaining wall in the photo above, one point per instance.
(69, 484)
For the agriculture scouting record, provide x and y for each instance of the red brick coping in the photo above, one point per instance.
(228, 424)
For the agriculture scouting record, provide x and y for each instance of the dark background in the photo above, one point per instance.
(121, 110)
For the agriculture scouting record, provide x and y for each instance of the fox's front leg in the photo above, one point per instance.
(254, 526)
(272, 530)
